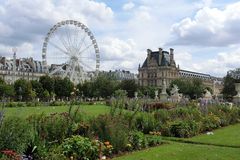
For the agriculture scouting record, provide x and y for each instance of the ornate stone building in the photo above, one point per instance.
(26, 68)
(120, 75)
(160, 65)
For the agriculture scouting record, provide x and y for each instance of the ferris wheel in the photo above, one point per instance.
(72, 51)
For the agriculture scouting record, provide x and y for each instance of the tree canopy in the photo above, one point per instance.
(228, 87)
(193, 88)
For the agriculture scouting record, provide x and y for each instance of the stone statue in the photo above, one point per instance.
(175, 96)
(164, 89)
(174, 90)
(163, 94)
(236, 98)
(207, 94)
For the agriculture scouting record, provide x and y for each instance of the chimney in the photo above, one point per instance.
(171, 55)
(160, 56)
(171, 50)
(149, 51)
(160, 50)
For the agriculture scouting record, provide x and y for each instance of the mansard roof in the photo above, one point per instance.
(164, 61)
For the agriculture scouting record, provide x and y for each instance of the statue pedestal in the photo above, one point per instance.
(163, 97)
(236, 100)
(175, 98)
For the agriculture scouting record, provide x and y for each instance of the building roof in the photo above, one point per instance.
(161, 59)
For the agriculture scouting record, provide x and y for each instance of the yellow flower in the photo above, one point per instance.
(109, 146)
(129, 145)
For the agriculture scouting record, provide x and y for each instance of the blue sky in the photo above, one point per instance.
(203, 33)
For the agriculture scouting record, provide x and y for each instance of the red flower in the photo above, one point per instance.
(11, 154)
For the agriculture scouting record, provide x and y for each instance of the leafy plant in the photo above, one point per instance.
(154, 140)
(184, 129)
(112, 129)
(80, 148)
(138, 140)
(15, 134)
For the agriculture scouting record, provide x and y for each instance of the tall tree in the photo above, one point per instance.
(63, 87)
(228, 87)
(130, 86)
(104, 86)
(6, 90)
(37, 87)
(23, 89)
(193, 88)
(47, 83)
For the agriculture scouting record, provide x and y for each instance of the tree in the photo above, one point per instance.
(46, 95)
(148, 91)
(228, 87)
(37, 87)
(23, 89)
(63, 87)
(85, 89)
(130, 86)
(47, 83)
(182, 84)
(196, 88)
(104, 86)
(193, 88)
(6, 90)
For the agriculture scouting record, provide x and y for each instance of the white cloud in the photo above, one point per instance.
(209, 27)
(128, 6)
(204, 3)
(120, 54)
(182, 57)
(34, 18)
(216, 66)
(23, 50)
(5, 30)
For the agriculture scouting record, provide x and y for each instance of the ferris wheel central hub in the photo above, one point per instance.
(74, 58)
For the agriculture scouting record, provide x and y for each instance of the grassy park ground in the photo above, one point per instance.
(184, 151)
(228, 136)
(91, 110)
(224, 144)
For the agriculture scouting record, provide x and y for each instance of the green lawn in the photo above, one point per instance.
(229, 136)
(183, 151)
(224, 136)
(90, 110)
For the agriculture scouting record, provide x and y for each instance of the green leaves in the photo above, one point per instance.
(80, 148)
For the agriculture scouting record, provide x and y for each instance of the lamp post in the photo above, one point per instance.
(20, 93)
(14, 63)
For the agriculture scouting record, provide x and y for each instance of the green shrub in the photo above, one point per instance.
(162, 115)
(80, 148)
(57, 103)
(146, 122)
(82, 128)
(138, 140)
(15, 134)
(11, 104)
(112, 129)
(186, 113)
(33, 104)
(154, 140)
(184, 129)
(166, 129)
(55, 127)
(54, 152)
(210, 122)
(21, 104)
